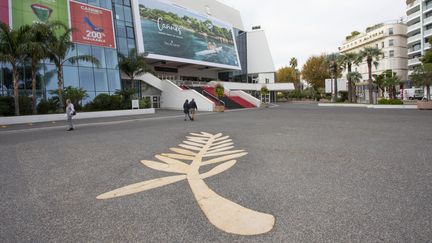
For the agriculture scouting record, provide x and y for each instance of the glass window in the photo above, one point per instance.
(131, 44)
(126, 2)
(114, 80)
(391, 42)
(70, 76)
(122, 45)
(111, 58)
(105, 4)
(118, 1)
(119, 12)
(93, 2)
(382, 44)
(391, 53)
(91, 96)
(121, 29)
(391, 32)
(99, 53)
(50, 77)
(101, 79)
(71, 53)
(130, 32)
(128, 14)
(84, 50)
(86, 79)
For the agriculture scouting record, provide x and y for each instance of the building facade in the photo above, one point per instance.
(419, 22)
(391, 39)
(183, 40)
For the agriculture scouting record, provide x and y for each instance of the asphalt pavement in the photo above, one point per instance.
(325, 174)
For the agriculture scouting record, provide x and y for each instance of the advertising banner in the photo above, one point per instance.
(30, 11)
(173, 33)
(4, 11)
(93, 25)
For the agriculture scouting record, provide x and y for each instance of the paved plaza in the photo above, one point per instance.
(325, 175)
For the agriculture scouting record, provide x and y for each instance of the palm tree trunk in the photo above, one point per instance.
(15, 75)
(350, 99)
(60, 87)
(34, 88)
(427, 92)
(371, 101)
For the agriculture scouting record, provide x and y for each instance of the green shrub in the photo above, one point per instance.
(105, 102)
(145, 103)
(296, 94)
(343, 96)
(25, 105)
(390, 102)
(47, 106)
(7, 106)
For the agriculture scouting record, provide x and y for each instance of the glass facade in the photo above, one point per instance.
(104, 78)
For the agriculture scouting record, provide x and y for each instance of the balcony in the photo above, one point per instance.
(414, 27)
(413, 39)
(413, 6)
(414, 50)
(428, 33)
(414, 61)
(412, 18)
(427, 46)
(428, 8)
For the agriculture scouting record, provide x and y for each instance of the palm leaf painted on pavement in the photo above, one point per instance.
(202, 149)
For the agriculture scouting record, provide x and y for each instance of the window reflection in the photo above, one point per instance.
(86, 79)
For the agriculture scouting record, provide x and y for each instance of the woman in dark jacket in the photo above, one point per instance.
(186, 110)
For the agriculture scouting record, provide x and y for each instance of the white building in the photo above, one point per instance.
(391, 39)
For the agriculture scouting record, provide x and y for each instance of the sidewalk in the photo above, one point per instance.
(160, 114)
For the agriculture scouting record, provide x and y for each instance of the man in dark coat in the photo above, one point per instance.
(193, 108)
(186, 110)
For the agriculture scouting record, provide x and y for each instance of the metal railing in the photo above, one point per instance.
(204, 92)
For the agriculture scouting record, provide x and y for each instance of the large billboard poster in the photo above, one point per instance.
(173, 33)
(30, 11)
(93, 25)
(4, 11)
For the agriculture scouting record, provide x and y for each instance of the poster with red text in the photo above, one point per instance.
(4, 11)
(93, 25)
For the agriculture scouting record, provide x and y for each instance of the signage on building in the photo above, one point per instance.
(93, 25)
(177, 34)
(4, 11)
(32, 11)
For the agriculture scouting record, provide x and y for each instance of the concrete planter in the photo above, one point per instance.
(424, 105)
(219, 108)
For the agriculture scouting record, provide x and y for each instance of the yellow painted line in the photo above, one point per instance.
(226, 215)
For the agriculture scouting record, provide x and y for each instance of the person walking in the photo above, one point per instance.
(186, 110)
(70, 112)
(193, 108)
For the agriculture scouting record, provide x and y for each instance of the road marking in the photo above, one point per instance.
(226, 215)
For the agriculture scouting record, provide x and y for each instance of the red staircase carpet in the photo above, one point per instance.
(241, 101)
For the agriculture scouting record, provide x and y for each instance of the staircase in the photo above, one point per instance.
(231, 102)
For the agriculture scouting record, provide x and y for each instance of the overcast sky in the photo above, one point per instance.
(311, 27)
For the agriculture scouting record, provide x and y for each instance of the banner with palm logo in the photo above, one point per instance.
(31, 11)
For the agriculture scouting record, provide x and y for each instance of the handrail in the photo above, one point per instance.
(214, 97)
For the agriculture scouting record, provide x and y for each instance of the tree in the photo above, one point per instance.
(293, 62)
(347, 60)
(34, 50)
(333, 62)
(11, 51)
(315, 71)
(288, 75)
(355, 77)
(58, 46)
(422, 76)
(372, 55)
(264, 93)
(133, 65)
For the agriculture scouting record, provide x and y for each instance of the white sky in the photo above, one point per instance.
(301, 28)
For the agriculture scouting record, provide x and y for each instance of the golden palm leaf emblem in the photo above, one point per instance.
(203, 149)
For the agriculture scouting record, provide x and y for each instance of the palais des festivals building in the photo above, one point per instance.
(188, 43)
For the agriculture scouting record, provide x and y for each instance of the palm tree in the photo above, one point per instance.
(133, 65)
(333, 62)
(354, 77)
(347, 60)
(34, 50)
(58, 46)
(293, 62)
(372, 56)
(11, 51)
(422, 76)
